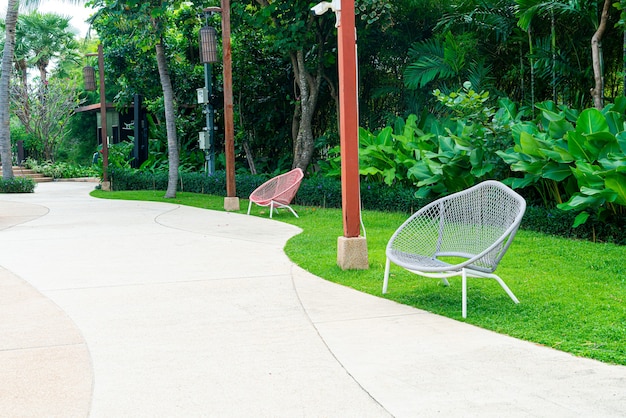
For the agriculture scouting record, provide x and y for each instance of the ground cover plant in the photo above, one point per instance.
(572, 292)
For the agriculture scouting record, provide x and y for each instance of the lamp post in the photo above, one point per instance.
(208, 56)
(90, 85)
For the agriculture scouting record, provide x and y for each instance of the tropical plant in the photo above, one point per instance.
(44, 37)
(576, 161)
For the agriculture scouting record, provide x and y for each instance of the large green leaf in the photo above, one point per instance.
(579, 201)
(587, 175)
(385, 137)
(549, 111)
(507, 111)
(581, 218)
(619, 104)
(369, 171)
(476, 157)
(617, 183)
(527, 127)
(482, 170)
(602, 136)
(389, 176)
(419, 171)
(533, 168)
(580, 148)
(591, 121)
(528, 179)
(556, 172)
(429, 181)
(558, 129)
(610, 151)
(559, 155)
(509, 156)
(529, 145)
(621, 140)
(615, 121)
(446, 144)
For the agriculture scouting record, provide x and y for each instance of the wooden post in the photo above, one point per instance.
(231, 202)
(352, 249)
(349, 121)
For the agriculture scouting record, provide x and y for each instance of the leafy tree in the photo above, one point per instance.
(304, 39)
(5, 68)
(45, 111)
(146, 25)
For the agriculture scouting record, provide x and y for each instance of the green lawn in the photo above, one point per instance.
(572, 293)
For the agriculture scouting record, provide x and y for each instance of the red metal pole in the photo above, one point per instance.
(229, 129)
(349, 121)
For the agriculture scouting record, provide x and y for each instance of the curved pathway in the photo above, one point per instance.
(140, 309)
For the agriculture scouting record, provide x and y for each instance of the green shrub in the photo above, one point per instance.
(61, 170)
(559, 223)
(17, 185)
(575, 161)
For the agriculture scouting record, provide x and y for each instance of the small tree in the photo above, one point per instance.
(45, 111)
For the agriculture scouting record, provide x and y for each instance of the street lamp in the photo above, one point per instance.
(208, 56)
(90, 85)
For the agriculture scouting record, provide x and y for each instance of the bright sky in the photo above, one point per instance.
(78, 13)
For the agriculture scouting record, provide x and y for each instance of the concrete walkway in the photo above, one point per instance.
(136, 309)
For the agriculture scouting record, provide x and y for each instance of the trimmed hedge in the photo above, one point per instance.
(326, 192)
(314, 191)
(558, 222)
(17, 185)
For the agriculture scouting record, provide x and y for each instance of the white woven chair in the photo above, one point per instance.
(278, 192)
(466, 233)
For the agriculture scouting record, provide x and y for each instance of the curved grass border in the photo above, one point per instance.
(572, 293)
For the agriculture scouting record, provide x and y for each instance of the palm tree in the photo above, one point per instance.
(7, 61)
(48, 36)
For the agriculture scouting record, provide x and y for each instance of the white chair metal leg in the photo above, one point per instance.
(386, 280)
(506, 288)
(249, 207)
(271, 208)
(464, 291)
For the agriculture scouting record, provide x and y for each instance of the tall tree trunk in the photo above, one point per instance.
(309, 85)
(5, 78)
(597, 93)
(170, 121)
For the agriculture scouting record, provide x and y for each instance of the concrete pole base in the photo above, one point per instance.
(231, 204)
(352, 253)
(106, 186)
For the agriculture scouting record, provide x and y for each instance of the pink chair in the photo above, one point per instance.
(278, 192)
